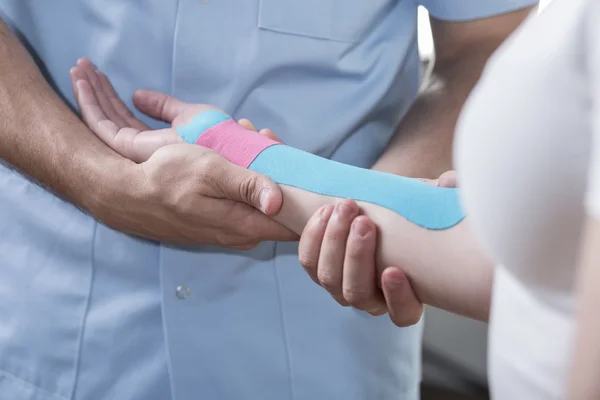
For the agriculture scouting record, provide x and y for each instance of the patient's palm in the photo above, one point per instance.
(112, 121)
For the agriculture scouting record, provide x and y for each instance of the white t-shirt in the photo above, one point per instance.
(528, 158)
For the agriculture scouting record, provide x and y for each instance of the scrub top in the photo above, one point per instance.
(90, 313)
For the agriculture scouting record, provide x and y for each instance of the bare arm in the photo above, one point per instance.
(183, 195)
(42, 137)
(583, 382)
(447, 269)
(422, 147)
(456, 276)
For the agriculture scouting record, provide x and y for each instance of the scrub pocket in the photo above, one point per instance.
(45, 273)
(337, 20)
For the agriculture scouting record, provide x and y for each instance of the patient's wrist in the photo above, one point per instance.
(217, 131)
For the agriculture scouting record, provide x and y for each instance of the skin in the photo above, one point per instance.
(344, 246)
(182, 194)
(583, 381)
(582, 384)
(458, 66)
(402, 243)
(113, 123)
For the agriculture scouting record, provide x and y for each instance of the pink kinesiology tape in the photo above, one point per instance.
(234, 142)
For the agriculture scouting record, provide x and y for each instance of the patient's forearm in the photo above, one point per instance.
(447, 268)
(421, 228)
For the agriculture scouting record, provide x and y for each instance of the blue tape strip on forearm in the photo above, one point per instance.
(421, 203)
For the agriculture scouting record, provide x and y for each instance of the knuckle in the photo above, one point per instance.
(209, 163)
(377, 312)
(358, 297)
(223, 240)
(350, 203)
(246, 247)
(357, 250)
(178, 201)
(160, 104)
(336, 230)
(341, 301)
(227, 239)
(182, 205)
(181, 200)
(248, 187)
(328, 280)
(210, 172)
(307, 261)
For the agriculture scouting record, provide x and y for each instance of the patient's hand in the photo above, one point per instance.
(337, 249)
(185, 194)
(110, 119)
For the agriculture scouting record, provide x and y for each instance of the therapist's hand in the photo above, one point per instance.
(174, 192)
(338, 242)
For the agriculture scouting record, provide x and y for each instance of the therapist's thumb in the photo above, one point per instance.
(254, 189)
(403, 305)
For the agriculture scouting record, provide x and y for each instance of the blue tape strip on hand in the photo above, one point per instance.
(197, 126)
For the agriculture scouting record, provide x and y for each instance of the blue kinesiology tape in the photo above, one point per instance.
(203, 121)
(423, 204)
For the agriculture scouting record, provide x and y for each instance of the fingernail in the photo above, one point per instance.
(360, 229)
(264, 199)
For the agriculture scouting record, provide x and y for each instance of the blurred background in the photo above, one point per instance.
(454, 348)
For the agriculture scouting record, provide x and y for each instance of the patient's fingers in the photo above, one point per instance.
(88, 68)
(246, 123)
(142, 145)
(333, 249)
(118, 104)
(76, 75)
(163, 106)
(309, 248)
(269, 133)
(128, 142)
(93, 114)
(359, 285)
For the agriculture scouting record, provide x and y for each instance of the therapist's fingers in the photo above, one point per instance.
(333, 249)
(448, 179)
(118, 104)
(309, 248)
(359, 286)
(403, 305)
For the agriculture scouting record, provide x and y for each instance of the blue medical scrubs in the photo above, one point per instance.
(87, 313)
